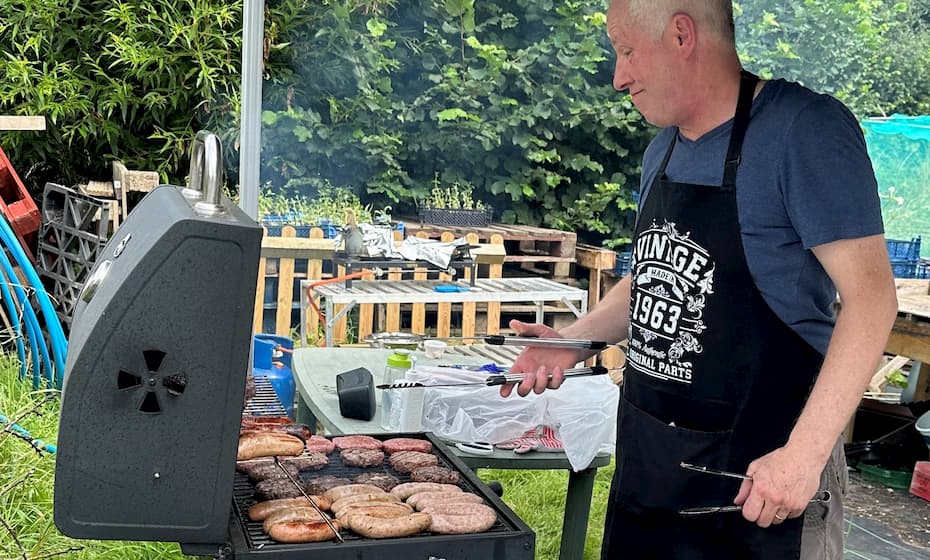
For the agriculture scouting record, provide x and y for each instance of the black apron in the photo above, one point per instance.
(713, 376)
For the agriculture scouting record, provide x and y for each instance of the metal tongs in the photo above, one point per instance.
(821, 496)
(492, 380)
(501, 340)
(309, 499)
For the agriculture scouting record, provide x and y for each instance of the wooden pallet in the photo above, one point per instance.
(278, 260)
(527, 245)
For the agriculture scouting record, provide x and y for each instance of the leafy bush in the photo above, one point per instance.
(132, 80)
(514, 98)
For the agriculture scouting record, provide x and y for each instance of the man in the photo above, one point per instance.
(758, 205)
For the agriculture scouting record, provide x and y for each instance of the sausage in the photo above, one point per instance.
(378, 528)
(266, 444)
(458, 519)
(424, 499)
(293, 514)
(370, 497)
(256, 422)
(378, 509)
(261, 510)
(339, 492)
(404, 491)
(302, 531)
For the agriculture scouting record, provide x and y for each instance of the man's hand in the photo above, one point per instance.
(537, 362)
(783, 483)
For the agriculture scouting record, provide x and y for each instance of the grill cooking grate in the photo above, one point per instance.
(265, 402)
(244, 489)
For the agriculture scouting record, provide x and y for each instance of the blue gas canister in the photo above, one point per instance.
(272, 359)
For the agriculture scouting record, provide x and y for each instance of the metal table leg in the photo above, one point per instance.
(304, 414)
(577, 509)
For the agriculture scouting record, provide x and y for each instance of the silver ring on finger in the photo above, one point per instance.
(780, 517)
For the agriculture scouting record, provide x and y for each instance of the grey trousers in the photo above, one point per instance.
(822, 536)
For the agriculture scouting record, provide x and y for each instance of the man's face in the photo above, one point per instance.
(645, 67)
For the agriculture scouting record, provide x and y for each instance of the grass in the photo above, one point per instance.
(27, 480)
(538, 498)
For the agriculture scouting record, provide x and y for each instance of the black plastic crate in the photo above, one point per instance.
(74, 229)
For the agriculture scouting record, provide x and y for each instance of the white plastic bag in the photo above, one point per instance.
(583, 410)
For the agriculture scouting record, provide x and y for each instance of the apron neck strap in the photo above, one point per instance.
(747, 88)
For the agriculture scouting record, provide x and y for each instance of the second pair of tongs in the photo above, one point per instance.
(492, 380)
(821, 496)
(501, 340)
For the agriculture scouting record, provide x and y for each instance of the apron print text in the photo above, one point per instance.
(672, 276)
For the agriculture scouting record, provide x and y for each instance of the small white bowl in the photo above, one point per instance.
(434, 349)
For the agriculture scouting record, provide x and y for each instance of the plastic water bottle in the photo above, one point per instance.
(411, 405)
(397, 365)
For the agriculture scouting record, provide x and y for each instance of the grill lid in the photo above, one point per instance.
(155, 375)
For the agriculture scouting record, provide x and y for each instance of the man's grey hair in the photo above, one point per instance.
(652, 16)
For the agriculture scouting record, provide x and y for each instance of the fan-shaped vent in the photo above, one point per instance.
(126, 380)
(150, 404)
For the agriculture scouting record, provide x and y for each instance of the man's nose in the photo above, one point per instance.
(622, 78)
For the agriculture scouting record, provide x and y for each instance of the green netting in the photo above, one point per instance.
(900, 150)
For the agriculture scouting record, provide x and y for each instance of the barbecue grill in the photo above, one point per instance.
(153, 393)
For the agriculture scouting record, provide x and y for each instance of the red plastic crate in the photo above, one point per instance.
(18, 207)
(920, 482)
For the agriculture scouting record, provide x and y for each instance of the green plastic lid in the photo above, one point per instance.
(400, 359)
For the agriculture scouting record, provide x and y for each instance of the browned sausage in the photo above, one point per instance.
(339, 505)
(261, 510)
(339, 492)
(457, 519)
(267, 444)
(378, 528)
(294, 514)
(404, 491)
(424, 499)
(302, 531)
(378, 509)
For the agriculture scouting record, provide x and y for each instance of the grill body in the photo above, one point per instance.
(155, 376)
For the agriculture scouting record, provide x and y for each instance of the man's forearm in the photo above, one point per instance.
(858, 342)
(608, 320)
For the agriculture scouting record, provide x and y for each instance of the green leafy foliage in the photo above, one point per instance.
(380, 96)
(513, 98)
(130, 80)
(874, 55)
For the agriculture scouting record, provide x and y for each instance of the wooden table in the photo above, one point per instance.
(315, 371)
(911, 333)
(536, 290)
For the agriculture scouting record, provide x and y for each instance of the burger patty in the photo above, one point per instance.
(276, 488)
(262, 469)
(395, 445)
(438, 474)
(357, 442)
(381, 480)
(362, 457)
(319, 484)
(320, 444)
(408, 461)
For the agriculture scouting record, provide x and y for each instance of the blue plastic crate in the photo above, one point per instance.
(923, 268)
(624, 259)
(904, 268)
(902, 250)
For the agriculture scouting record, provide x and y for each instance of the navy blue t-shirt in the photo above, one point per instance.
(805, 179)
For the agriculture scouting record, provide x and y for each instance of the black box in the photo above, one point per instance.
(356, 391)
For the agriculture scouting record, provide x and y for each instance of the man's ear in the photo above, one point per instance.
(684, 32)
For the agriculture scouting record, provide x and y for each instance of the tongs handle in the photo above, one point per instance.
(501, 340)
(571, 372)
